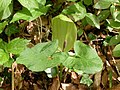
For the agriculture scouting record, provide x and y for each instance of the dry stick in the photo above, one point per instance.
(39, 28)
(13, 67)
(13, 86)
(86, 36)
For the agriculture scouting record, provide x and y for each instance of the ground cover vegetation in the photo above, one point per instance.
(59, 44)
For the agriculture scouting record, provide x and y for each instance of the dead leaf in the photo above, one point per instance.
(55, 84)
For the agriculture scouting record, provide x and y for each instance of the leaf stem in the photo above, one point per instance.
(61, 70)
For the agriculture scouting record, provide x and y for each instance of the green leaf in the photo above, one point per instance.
(9, 63)
(87, 2)
(4, 4)
(91, 36)
(86, 80)
(86, 59)
(29, 4)
(17, 45)
(115, 13)
(6, 8)
(2, 26)
(103, 15)
(77, 11)
(116, 51)
(3, 44)
(43, 2)
(65, 31)
(7, 11)
(104, 4)
(4, 57)
(92, 20)
(72, 0)
(11, 29)
(41, 56)
(80, 32)
(69, 62)
(114, 40)
(25, 14)
(113, 23)
(38, 12)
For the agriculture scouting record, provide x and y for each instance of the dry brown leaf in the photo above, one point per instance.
(55, 84)
(104, 78)
(97, 80)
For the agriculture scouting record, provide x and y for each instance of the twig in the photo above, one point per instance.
(39, 28)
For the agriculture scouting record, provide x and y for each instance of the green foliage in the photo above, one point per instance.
(77, 11)
(104, 4)
(30, 15)
(30, 4)
(42, 2)
(17, 45)
(113, 23)
(11, 29)
(38, 58)
(103, 15)
(92, 20)
(2, 44)
(116, 51)
(4, 57)
(72, 0)
(86, 59)
(86, 80)
(5, 9)
(2, 26)
(9, 63)
(80, 32)
(31, 10)
(88, 2)
(65, 31)
(86, 20)
(115, 13)
(114, 40)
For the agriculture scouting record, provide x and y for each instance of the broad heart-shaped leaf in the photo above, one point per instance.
(116, 51)
(30, 15)
(77, 11)
(2, 26)
(41, 56)
(65, 31)
(86, 59)
(29, 4)
(17, 45)
(104, 4)
(113, 23)
(4, 57)
(92, 20)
